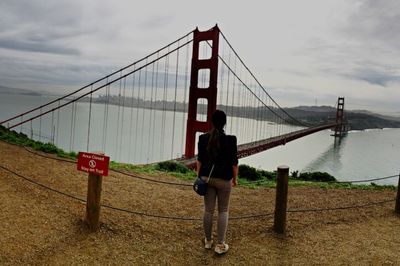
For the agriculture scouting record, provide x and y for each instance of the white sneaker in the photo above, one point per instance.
(208, 244)
(221, 248)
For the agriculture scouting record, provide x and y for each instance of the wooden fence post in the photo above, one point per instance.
(397, 208)
(281, 199)
(96, 164)
(93, 201)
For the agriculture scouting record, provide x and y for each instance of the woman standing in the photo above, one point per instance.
(215, 149)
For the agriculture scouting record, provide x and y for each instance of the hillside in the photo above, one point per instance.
(41, 227)
(357, 120)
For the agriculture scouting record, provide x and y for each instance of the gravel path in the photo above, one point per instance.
(41, 227)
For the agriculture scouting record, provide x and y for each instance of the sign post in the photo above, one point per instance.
(96, 164)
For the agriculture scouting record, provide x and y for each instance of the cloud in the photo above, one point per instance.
(30, 18)
(376, 22)
(158, 21)
(37, 26)
(67, 43)
(27, 72)
(375, 75)
(47, 44)
(297, 95)
(36, 46)
(363, 47)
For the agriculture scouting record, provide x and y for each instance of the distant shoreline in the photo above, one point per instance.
(314, 115)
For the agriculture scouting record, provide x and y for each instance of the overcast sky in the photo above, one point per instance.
(303, 52)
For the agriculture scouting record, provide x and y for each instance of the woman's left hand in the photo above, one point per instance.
(234, 182)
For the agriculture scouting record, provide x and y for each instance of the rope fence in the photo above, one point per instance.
(260, 182)
(30, 180)
(112, 170)
(344, 207)
(243, 217)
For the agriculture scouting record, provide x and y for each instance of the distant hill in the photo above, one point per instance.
(357, 119)
(395, 116)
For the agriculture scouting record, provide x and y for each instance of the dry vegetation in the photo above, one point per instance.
(41, 227)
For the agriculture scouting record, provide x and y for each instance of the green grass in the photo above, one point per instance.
(259, 178)
(153, 170)
(23, 140)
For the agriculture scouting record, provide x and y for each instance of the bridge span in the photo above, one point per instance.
(248, 149)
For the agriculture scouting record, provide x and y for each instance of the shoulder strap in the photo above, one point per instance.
(209, 176)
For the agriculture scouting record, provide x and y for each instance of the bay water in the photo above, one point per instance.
(360, 155)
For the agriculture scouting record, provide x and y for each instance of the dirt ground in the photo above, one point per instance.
(41, 227)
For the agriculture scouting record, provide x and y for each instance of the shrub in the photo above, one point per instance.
(72, 154)
(295, 174)
(249, 173)
(267, 174)
(48, 147)
(22, 139)
(172, 166)
(316, 176)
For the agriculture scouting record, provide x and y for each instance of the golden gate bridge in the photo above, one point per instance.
(153, 109)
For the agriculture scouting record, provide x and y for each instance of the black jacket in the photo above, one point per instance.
(226, 158)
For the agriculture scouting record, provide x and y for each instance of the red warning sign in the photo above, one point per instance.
(93, 163)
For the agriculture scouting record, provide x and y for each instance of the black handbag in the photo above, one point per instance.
(201, 183)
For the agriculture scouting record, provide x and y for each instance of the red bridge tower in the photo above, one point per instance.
(210, 37)
(340, 123)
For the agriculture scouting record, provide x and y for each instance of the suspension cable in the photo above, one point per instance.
(105, 120)
(75, 105)
(186, 87)
(122, 120)
(164, 109)
(118, 114)
(131, 118)
(136, 136)
(247, 87)
(102, 86)
(97, 81)
(155, 107)
(150, 122)
(175, 96)
(90, 117)
(143, 111)
(251, 73)
(106, 115)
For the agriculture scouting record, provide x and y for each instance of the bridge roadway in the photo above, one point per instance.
(254, 147)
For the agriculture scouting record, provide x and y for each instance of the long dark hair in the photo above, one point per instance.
(218, 123)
